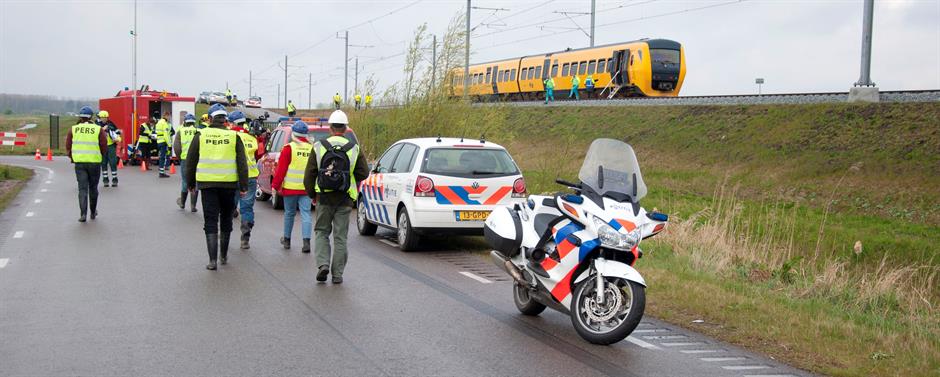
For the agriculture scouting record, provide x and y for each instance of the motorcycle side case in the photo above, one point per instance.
(503, 231)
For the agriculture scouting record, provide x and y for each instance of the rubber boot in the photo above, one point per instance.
(83, 207)
(94, 208)
(306, 248)
(181, 202)
(223, 247)
(192, 201)
(212, 245)
(246, 235)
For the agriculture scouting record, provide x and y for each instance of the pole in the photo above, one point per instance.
(466, 66)
(346, 70)
(592, 22)
(356, 80)
(865, 77)
(433, 61)
(279, 95)
(249, 83)
(310, 91)
(285, 81)
(134, 77)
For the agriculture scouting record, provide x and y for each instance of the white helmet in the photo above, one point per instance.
(338, 117)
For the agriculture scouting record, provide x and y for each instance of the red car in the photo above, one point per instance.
(319, 129)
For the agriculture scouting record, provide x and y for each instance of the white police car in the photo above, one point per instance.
(437, 185)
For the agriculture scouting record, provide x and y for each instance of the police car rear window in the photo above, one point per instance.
(468, 162)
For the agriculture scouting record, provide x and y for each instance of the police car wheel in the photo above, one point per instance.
(407, 237)
(362, 223)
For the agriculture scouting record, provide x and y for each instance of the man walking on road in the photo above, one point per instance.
(181, 146)
(288, 182)
(291, 110)
(331, 177)
(109, 160)
(216, 164)
(163, 142)
(86, 144)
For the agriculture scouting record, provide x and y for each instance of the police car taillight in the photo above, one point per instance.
(518, 188)
(424, 187)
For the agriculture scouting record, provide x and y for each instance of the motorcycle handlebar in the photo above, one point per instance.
(566, 183)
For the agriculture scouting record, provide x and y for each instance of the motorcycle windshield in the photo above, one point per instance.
(610, 169)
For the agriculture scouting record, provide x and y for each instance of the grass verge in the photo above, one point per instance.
(12, 180)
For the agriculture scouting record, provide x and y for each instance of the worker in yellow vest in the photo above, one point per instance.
(204, 122)
(291, 109)
(358, 99)
(288, 183)
(181, 143)
(85, 144)
(163, 130)
(336, 100)
(109, 161)
(246, 203)
(216, 165)
(368, 101)
(146, 140)
(331, 176)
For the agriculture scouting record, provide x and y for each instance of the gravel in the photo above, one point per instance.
(893, 96)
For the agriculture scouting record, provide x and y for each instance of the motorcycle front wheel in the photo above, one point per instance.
(614, 319)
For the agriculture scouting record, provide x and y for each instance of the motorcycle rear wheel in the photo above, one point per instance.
(591, 320)
(524, 301)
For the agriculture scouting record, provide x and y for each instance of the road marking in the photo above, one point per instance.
(682, 344)
(701, 351)
(3, 262)
(48, 182)
(18, 234)
(665, 337)
(641, 343)
(44, 190)
(641, 331)
(475, 277)
(37, 201)
(721, 359)
(29, 214)
(745, 367)
(389, 243)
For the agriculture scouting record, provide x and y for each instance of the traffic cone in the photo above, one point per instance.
(48, 154)
(120, 163)
(172, 168)
(38, 157)
(143, 166)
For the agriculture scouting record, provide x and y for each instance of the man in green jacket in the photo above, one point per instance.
(549, 90)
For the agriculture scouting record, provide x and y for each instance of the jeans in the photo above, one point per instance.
(109, 161)
(86, 173)
(573, 92)
(291, 204)
(163, 158)
(332, 220)
(218, 206)
(246, 205)
(182, 176)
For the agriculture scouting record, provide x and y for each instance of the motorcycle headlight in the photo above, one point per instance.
(610, 237)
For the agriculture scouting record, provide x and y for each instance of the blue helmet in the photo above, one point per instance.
(236, 117)
(86, 112)
(300, 128)
(190, 118)
(217, 109)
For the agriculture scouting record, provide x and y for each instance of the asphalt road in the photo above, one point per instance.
(128, 294)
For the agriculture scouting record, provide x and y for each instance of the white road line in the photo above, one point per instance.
(475, 277)
(3, 262)
(641, 331)
(701, 351)
(44, 190)
(665, 337)
(641, 343)
(682, 344)
(389, 243)
(18, 234)
(721, 359)
(48, 182)
(29, 214)
(37, 201)
(745, 367)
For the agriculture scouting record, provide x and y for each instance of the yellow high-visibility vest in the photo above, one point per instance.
(353, 155)
(337, 98)
(216, 156)
(163, 131)
(300, 153)
(144, 136)
(251, 146)
(358, 98)
(368, 99)
(85, 146)
(290, 107)
(186, 137)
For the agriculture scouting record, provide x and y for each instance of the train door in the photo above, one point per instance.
(495, 71)
(618, 67)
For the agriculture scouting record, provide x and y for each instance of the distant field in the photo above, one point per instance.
(37, 137)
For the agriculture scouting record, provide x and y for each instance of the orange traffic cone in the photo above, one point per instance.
(172, 168)
(143, 166)
(49, 154)
(38, 156)
(120, 163)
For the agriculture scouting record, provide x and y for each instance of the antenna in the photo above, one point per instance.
(483, 138)
(438, 138)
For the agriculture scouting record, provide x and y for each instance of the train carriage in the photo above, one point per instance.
(646, 68)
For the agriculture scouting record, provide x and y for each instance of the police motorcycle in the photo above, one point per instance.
(575, 252)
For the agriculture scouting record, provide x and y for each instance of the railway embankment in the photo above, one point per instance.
(807, 232)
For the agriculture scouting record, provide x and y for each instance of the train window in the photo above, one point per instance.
(532, 73)
(554, 70)
(487, 75)
(591, 65)
(512, 75)
(601, 65)
(538, 72)
(564, 70)
(524, 73)
(582, 68)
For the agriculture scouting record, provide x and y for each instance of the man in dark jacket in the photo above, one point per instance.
(86, 144)
(216, 164)
(334, 207)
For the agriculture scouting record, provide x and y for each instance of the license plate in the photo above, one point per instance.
(471, 215)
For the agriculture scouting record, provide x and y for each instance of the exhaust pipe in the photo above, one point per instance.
(501, 261)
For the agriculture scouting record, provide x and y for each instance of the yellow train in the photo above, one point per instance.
(647, 67)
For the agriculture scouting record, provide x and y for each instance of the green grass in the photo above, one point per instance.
(12, 180)
(768, 204)
(38, 137)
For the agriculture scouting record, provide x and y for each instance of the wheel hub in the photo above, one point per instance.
(597, 312)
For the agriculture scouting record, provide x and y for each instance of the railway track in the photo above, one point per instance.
(932, 95)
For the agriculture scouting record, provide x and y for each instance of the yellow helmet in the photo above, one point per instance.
(102, 114)
(205, 117)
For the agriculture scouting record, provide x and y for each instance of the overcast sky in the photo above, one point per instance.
(83, 48)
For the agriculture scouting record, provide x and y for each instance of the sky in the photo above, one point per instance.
(83, 49)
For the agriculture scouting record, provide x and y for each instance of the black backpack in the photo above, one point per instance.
(334, 167)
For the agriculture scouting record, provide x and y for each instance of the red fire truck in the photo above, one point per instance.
(150, 103)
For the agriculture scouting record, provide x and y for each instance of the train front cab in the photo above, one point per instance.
(653, 68)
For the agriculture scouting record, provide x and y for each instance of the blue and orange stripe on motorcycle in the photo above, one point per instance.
(617, 224)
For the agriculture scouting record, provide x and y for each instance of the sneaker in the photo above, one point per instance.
(107, 184)
(321, 274)
(337, 280)
(285, 242)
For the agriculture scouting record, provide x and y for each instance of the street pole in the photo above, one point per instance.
(249, 83)
(356, 80)
(466, 67)
(346, 70)
(134, 77)
(592, 22)
(433, 61)
(279, 96)
(285, 81)
(310, 91)
(865, 77)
